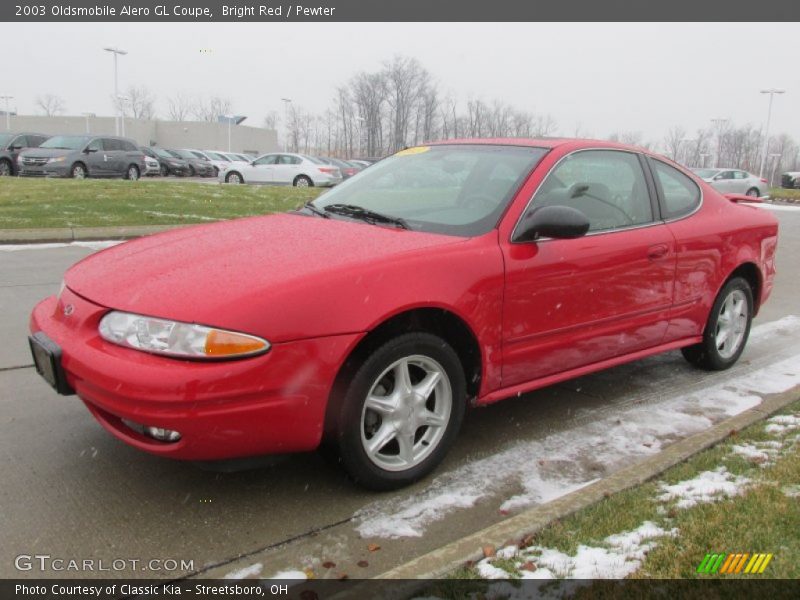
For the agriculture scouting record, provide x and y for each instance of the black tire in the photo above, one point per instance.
(132, 173)
(753, 192)
(164, 169)
(350, 424)
(707, 354)
(6, 168)
(78, 171)
(192, 172)
(234, 177)
(302, 181)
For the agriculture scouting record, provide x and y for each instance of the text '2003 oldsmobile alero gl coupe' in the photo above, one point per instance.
(367, 320)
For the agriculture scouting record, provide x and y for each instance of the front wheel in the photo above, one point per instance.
(5, 169)
(401, 412)
(233, 178)
(164, 170)
(78, 171)
(727, 328)
(303, 181)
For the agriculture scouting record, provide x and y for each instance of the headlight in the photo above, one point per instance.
(176, 339)
(56, 159)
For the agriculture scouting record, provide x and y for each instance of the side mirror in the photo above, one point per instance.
(15, 148)
(89, 150)
(717, 177)
(560, 222)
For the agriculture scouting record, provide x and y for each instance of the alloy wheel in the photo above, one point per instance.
(406, 413)
(731, 324)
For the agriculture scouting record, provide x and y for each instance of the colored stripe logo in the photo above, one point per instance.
(734, 564)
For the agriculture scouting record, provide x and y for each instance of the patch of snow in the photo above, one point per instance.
(792, 491)
(781, 424)
(100, 245)
(618, 556)
(244, 573)
(708, 486)
(560, 463)
(507, 552)
(776, 207)
(761, 455)
(290, 574)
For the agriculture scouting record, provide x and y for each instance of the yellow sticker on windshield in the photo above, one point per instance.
(414, 150)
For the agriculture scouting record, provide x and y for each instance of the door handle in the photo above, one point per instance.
(657, 252)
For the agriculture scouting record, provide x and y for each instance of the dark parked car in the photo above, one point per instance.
(81, 156)
(790, 180)
(171, 163)
(198, 167)
(11, 144)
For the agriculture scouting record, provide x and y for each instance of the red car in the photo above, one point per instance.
(450, 274)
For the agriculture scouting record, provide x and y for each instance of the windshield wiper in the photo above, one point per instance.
(365, 214)
(310, 206)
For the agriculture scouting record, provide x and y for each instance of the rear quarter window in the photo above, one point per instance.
(680, 195)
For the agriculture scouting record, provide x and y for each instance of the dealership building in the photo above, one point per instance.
(202, 135)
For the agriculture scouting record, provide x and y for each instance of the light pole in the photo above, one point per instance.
(771, 92)
(703, 157)
(116, 52)
(8, 110)
(232, 120)
(776, 160)
(286, 103)
(121, 100)
(87, 115)
(719, 123)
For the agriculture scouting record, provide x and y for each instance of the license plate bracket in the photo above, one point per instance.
(47, 361)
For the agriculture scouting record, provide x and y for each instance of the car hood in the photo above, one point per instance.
(46, 152)
(231, 274)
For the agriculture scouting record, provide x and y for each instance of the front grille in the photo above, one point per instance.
(30, 161)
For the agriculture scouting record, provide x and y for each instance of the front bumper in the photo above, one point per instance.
(52, 170)
(269, 404)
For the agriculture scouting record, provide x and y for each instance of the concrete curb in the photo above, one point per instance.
(443, 561)
(79, 234)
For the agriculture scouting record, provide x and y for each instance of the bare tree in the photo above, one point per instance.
(179, 107)
(137, 102)
(51, 104)
(271, 120)
(211, 108)
(673, 141)
(405, 79)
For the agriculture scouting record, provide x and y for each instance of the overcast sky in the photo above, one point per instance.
(601, 78)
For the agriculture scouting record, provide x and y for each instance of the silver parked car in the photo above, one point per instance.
(734, 181)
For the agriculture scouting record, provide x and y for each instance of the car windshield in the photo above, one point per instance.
(66, 142)
(5, 138)
(162, 153)
(705, 173)
(451, 189)
(217, 156)
(184, 154)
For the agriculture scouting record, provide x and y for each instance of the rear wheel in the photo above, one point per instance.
(401, 412)
(303, 181)
(78, 171)
(727, 328)
(5, 169)
(164, 170)
(753, 192)
(132, 173)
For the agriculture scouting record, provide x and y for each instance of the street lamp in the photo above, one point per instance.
(87, 115)
(121, 100)
(703, 157)
(719, 123)
(776, 161)
(286, 103)
(771, 92)
(8, 110)
(232, 120)
(116, 52)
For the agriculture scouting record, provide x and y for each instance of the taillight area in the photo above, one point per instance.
(328, 170)
(350, 172)
(764, 180)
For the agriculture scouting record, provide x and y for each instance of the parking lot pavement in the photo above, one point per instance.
(72, 491)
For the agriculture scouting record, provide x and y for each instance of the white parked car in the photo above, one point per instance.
(283, 168)
(734, 181)
(151, 166)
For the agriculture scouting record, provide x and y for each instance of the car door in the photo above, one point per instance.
(724, 182)
(262, 170)
(575, 302)
(95, 158)
(287, 167)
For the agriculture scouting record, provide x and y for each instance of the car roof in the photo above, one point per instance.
(543, 142)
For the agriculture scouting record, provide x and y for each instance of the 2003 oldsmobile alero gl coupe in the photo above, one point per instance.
(366, 320)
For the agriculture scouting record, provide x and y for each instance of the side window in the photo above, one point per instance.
(35, 141)
(110, 144)
(680, 194)
(726, 175)
(129, 146)
(21, 141)
(607, 186)
(740, 175)
(96, 144)
(288, 160)
(267, 160)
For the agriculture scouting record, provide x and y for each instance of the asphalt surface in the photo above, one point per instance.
(71, 491)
